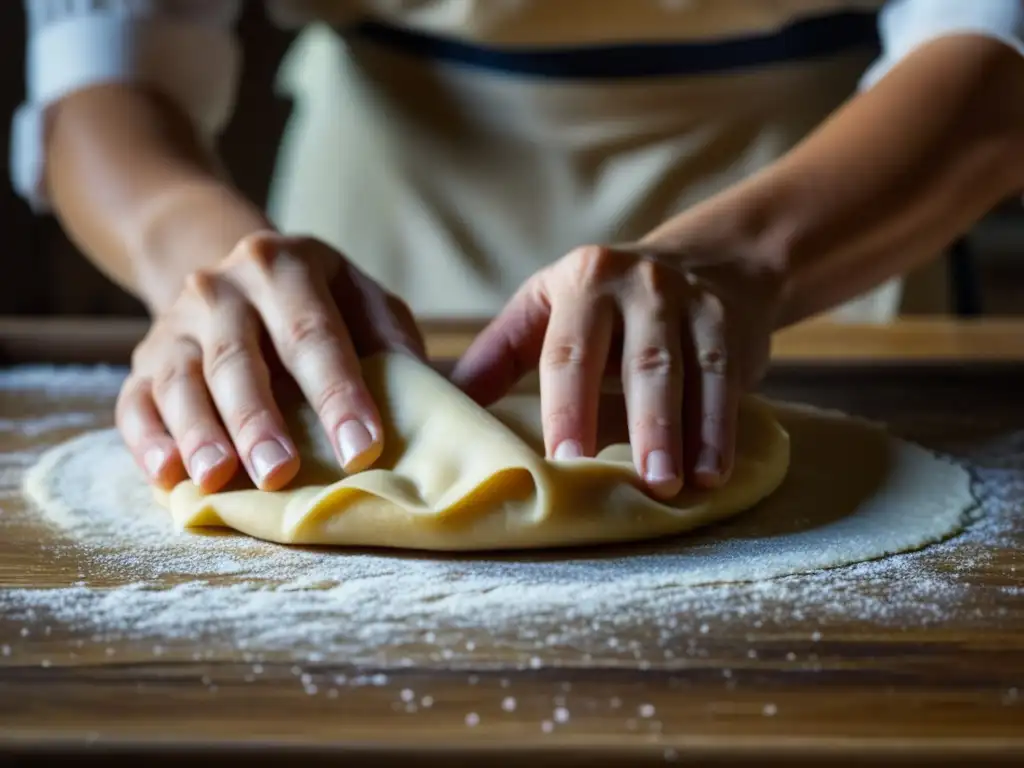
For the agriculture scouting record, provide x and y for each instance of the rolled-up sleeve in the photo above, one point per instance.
(904, 25)
(184, 48)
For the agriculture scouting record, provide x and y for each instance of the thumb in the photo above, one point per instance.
(377, 320)
(401, 331)
(506, 350)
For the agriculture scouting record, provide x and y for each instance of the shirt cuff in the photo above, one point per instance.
(196, 66)
(905, 25)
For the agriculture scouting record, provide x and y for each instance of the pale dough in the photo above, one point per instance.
(852, 493)
(457, 477)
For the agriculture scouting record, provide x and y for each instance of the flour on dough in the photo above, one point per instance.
(454, 476)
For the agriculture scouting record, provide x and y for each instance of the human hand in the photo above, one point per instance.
(687, 332)
(199, 400)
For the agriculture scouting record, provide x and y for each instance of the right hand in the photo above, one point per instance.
(199, 400)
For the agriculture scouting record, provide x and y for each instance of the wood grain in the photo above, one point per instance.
(920, 341)
(865, 691)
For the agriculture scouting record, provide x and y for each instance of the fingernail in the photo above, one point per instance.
(205, 460)
(568, 449)
(353, 441)
(154, 459)
(267, 456)
(660, 468)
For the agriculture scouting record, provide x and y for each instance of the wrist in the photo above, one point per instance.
(736, 237)
(188, 227)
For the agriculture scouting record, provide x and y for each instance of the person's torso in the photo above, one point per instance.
(454, 147)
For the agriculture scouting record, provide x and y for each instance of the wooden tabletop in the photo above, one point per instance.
(909, 341)
(941, 691)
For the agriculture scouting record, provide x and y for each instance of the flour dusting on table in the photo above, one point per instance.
(396, 610)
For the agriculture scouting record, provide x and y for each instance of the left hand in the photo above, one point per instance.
(689, 333)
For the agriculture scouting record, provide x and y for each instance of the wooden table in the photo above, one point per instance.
(926, 341)
(864, 691)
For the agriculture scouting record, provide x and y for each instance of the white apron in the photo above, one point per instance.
(451, 185)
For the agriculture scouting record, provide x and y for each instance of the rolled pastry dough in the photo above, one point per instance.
(454, 476)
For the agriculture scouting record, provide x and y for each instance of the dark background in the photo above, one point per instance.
(44, 274)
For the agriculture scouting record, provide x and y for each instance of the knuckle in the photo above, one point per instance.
(711, 334)
(650, 275)
(564, 353)
(245, 418)
(653, 360)
(561, 418)
(591, 263)
(651, 286)
(534, 293)
(713, 360)
(337, 400)
(182, 369)
(258, 250)
(712, 310)
(205, 286)
(221, 353)
(648, 421)
(307, 331)
(262, 255)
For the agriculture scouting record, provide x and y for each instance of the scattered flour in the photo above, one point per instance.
(237, 594)
(62, 381)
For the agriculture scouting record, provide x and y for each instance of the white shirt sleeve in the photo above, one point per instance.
(186, 48)
(904, 25)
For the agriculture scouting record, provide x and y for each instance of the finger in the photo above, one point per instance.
(507, 349)
(653, 385)
(183, 403)
(375, 319)
(239, 382)
(312, 341)
(145, 435)
(407, 334)
(571, 367)
(719, 394)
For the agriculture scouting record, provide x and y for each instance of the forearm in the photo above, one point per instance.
(887, 182)
(139, 194)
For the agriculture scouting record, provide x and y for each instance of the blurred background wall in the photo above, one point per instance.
(44, 274)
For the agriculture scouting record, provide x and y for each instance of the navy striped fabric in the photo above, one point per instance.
(809, 38)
